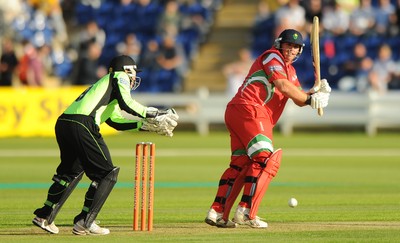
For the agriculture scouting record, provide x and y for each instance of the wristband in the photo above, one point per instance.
(308, 101)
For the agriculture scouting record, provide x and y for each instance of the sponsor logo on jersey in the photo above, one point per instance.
(123, 81)
(275, 68)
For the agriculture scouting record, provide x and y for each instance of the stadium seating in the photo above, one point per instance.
(118, 21)
(332, 57)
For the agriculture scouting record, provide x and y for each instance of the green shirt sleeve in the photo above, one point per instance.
(126, 103)
(106, 98)
(120, 123)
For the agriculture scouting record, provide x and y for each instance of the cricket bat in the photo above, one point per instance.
(314, 39)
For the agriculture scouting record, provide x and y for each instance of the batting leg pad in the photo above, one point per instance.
(234, 192)
(224, 187)
(273, 163)
(104, 188)
(69, 188)
(257, 180)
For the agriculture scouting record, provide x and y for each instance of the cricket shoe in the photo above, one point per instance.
(221, 223)
(44, 224)
(94, 229)
(213, 217)
(242, 218)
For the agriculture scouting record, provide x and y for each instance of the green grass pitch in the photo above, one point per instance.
(347, 185)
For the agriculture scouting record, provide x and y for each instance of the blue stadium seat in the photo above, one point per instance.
(345, 43)
(84, 13)
(107, 54)
(195, 9)
(62, 69)
(372, 41)
(146, 19)
(262, 35)
(146, 80)
(104, 15)
(166, 81)
(189, 39)
(394, 43)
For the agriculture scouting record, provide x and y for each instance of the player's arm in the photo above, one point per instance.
(273, 66)
(301, 98)
(154, 120)
(121, 86)
(162, 124)
(291, 91)
(120, 123)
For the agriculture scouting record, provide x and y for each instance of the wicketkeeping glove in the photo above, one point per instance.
(151, 112)
(148, 125)
(164, 123)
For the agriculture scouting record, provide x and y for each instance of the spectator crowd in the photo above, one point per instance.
(359, 40)
(60, 42)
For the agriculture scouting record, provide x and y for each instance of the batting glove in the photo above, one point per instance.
(325, 88)
(319, 100)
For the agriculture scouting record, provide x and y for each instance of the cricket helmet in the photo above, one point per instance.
(125, 64)
(121, 63)
(290, 36)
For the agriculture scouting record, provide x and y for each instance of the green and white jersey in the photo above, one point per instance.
(104, 101)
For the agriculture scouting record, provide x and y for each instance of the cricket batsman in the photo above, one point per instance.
(82, 147)
(250, 118)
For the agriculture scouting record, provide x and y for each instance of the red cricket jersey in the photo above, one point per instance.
(258, 88)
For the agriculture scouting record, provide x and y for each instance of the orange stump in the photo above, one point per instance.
(144, 186)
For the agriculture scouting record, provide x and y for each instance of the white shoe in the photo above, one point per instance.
(94, 229)
(242, 217)
(213, 217)
(239, 214)
(44, 224)
(228, 224)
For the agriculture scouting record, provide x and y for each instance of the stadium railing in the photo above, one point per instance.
(383, 112)
(346, 109)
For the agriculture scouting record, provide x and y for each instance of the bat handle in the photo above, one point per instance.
(320, 112)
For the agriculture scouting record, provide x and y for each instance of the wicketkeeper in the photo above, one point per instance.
(250, 118)
(82, 147)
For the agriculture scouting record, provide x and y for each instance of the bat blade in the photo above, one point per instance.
(314, 39)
